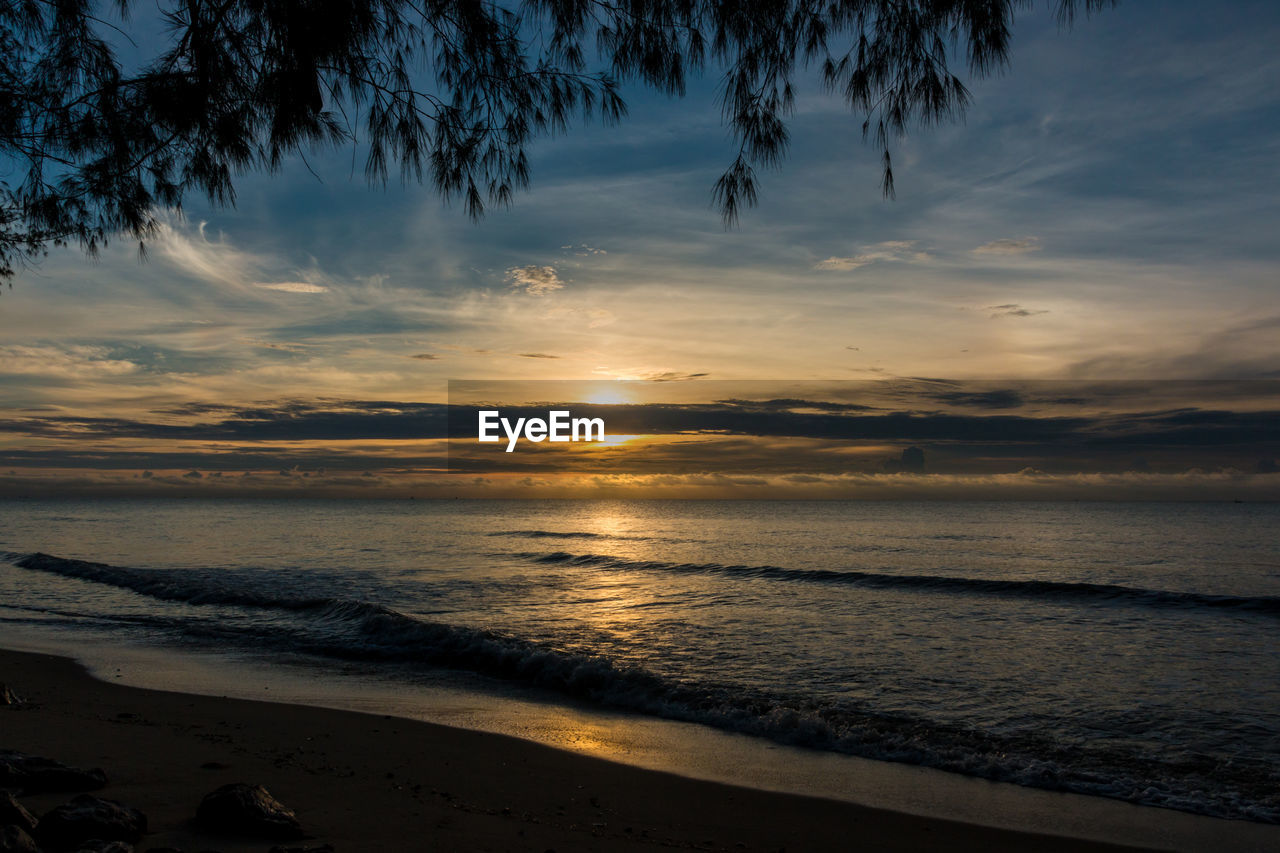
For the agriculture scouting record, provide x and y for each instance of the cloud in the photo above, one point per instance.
(836, 264)
(1013, 309)
(789, 404)
(673, 376)
(1009, 247)
(997, 399)
(425, 356)
(1229, 429)
(276, 345)
(534, 280)
(221, 263)
(689, 296)
(900, 251)
(216, 262)
(328, 420)
(592, 318)
(1234, 350)
(76, 362)
(292, 286)
(536, 355)
(648, 374)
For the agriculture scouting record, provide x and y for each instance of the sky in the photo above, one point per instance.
(1105, 212)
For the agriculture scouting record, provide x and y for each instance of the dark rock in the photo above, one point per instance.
(164, 850)
(8, 697)
(87, 817)
(14, 839)
(240, 809)
(34, 774)
(97, 845)
(13, 813)
(323, 848)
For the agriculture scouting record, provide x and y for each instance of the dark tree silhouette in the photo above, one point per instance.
(92, 145)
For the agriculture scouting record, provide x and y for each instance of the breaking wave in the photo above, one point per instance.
(1049, 590)
(351, 629)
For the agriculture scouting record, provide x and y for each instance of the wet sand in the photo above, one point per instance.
(365, 782)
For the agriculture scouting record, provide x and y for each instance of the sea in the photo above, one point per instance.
(1126, 650)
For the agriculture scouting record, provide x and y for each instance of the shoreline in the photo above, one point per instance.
(365, 781)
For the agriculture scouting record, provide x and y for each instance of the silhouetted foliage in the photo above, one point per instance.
(94, 145)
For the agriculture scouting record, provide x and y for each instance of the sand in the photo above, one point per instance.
(365, 782)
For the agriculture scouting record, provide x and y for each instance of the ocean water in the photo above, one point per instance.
(1125, 650)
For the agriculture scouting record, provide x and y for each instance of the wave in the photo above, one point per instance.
(1038, 589)
(384, 632)
(576, 534)
(350, 629)
(164, 584)
(550, 534)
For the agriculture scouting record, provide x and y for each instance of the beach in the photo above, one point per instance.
(368, 782)
(1003, 676)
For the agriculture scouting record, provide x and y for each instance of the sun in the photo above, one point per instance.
(608, 394)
